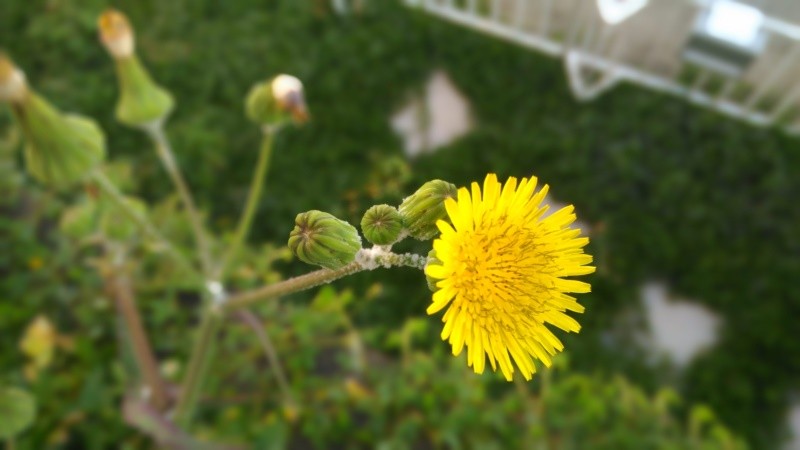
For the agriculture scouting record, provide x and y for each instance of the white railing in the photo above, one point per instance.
(653, 47)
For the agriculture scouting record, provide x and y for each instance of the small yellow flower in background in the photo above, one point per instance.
(501, 269)
(38, 344)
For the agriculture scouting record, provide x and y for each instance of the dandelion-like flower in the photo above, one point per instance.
(501, 272)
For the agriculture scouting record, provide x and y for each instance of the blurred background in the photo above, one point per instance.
(670, 125)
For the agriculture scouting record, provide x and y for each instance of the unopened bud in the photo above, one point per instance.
(277, 101)
(116, 34)
(141, 100)
(425, 207)
(320, 238)
(60, 149)
(12, 81)
(382, 225)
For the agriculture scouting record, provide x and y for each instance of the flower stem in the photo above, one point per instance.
(367, 260)
(119, 287)
(156, 132)
(198, 366)
(116, 196)
(291, 286)
(213, 314)
(253, 197)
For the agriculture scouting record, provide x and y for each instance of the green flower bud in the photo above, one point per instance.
(432, 260)
(141, 100)
(382, 224)
(60, 149)
(320, 238)
(422, 209)
(277, 101)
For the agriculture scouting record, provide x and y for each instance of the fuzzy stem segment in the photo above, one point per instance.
(366, 259)
(253, 197)
(156, 132)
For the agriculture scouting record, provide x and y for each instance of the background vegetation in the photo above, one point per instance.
(671, 192)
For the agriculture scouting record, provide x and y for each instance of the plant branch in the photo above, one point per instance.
(369, 259)
(198, 366)
(269, 350)
(156, 132)
(253, 197)
(118, 286)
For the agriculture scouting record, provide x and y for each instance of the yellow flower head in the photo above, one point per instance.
(501, 269)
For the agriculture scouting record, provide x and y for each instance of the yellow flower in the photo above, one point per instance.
(501, 269)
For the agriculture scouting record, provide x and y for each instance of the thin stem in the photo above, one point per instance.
(269, 350)
(212, 315)
(370, 259)
(119, 287)
(116, 196)
(198, 366)
(156, 132)
(253, 197)
(291, 286)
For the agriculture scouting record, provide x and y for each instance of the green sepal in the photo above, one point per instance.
(141, 100)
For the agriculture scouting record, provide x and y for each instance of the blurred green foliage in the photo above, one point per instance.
(671, 192)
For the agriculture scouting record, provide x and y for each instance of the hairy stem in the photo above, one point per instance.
(156, 132)
(119, 287)
(290, 286)
(253, 197)
(370, 259)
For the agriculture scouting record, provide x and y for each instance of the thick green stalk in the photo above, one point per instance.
(156, 132)
(253, 197)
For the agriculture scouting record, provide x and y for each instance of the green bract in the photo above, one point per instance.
(425, 207)
(382, 224)
(60, 149)
(320, 238)
(141, 100)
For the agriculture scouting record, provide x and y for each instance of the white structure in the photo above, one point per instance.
(434, 119)
(678, 328)
(739, 57)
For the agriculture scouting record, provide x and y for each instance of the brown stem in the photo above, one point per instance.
(119, 287)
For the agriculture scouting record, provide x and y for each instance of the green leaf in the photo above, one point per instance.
(17, 410)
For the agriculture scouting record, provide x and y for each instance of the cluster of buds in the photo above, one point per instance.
(277, 101)
(60, 149)
(141, 100)
(321, 239)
